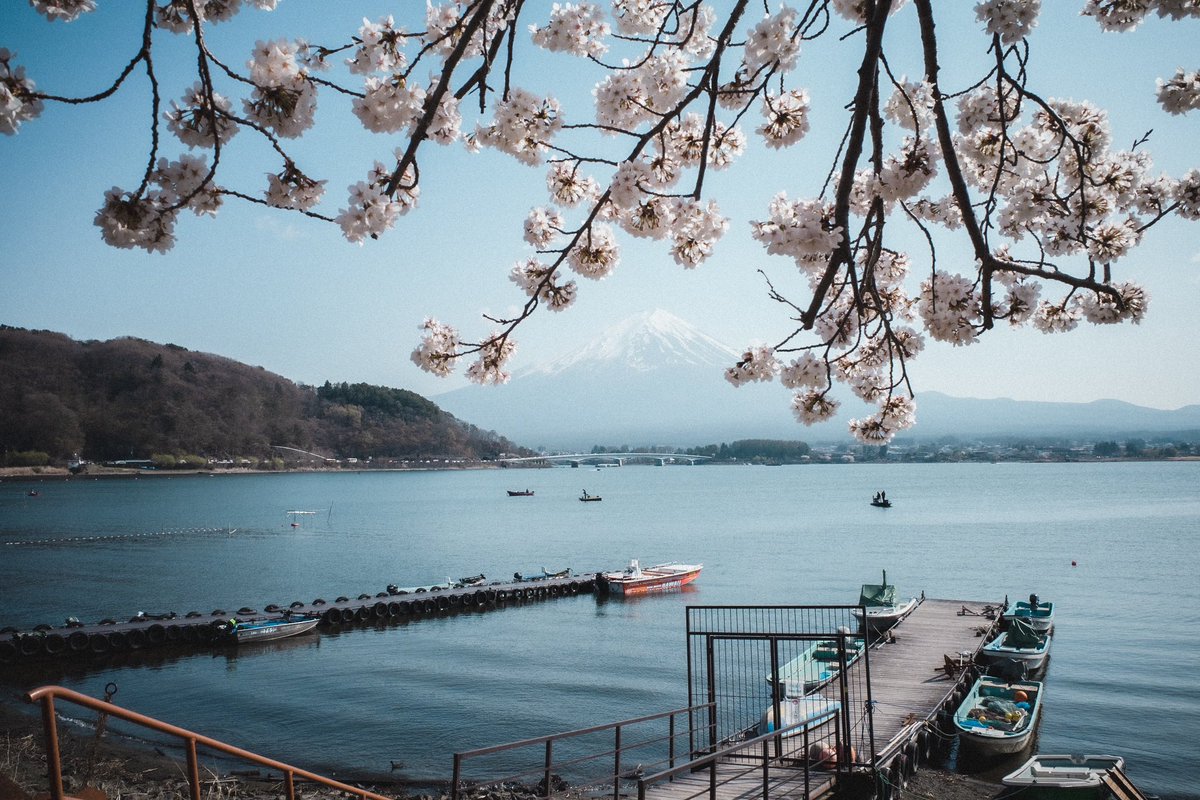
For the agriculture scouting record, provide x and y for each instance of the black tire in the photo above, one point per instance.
(98, 643)
(136, 638)
(341, 599)
(332, 616)
(362, 613)
(77, 641)
(190, 633)
(31, 645)
(117, 642)
(8, 652)
(156, 634)
(364, 597)
(380, 610)
(192, 615)
(296, 604)
(54, 644)
(318, 602)
(218, 612)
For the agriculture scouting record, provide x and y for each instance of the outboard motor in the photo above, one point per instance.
(1033, 602)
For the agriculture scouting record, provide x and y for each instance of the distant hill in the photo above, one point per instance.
(654, 379)
(129, 399)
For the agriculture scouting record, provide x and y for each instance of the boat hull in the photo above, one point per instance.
(660, 578)
(884, 617)
(1063, 777)
(270, 630)
(1034, 658)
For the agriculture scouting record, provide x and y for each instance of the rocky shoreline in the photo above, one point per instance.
(107, 768)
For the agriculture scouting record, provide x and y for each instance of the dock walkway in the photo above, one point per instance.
(909, 686)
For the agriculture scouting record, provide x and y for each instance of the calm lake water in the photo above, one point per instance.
(1113, 545)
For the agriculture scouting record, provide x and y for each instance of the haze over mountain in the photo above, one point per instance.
(656, 379)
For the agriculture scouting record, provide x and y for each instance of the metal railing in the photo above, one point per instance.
(795, 760)
(548, 767)
(46, 695)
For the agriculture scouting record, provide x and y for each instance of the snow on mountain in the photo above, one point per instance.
(651, 379)
(655, 379)
(643, 343)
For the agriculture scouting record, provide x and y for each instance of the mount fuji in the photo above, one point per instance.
(654, 379)
(651, 379)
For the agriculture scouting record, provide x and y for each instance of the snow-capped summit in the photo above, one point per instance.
(644, 342)
(651, 378)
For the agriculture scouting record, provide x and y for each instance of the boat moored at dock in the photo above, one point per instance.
(636, 579)
(265, 630)
(1076, 777)
(1039, 614)
(1021, 643)
(882, 610)
(998, 718)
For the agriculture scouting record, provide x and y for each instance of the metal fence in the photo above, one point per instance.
(762, 668)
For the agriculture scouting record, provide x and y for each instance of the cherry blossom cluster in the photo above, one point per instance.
(371, 209)
(18, 103)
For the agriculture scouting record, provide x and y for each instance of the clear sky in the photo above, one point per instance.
(291, 295)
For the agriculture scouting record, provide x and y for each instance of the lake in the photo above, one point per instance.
(1114, 545)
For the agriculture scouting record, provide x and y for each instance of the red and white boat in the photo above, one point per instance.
(636, 579)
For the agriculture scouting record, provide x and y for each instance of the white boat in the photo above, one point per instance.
(1074, 776)
(998, 718)
(265, 630)
(1019, 643)
(1038, 614)
(636, 579)
(798, 714)
(880, 609)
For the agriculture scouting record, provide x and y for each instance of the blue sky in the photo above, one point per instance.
(291, 295)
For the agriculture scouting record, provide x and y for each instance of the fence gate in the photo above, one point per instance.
(767, 667)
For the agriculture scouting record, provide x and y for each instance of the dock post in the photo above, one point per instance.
(548, 762)
(617, 765)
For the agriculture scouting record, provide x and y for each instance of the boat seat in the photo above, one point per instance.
(1121, 787)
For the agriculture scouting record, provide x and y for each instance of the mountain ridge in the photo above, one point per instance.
(653, 378)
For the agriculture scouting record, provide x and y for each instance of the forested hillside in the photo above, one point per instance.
(132, 399)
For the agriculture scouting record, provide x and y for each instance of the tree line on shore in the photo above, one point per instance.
(130, 399)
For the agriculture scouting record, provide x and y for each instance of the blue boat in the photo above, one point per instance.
(1039, 614)
(1019, 643)
(817, 665)
(998, 718)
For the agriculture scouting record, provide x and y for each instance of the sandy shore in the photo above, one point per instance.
(112, 769)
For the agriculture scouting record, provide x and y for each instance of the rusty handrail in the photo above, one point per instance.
(547, 741)
(45, 695)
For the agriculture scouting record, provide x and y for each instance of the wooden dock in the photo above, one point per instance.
(908, 682)
(909, 686)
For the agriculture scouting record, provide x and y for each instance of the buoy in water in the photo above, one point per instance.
(1073, 564)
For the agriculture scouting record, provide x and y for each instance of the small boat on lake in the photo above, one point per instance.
(880, 500)
(520, 493)
(998, 718)
(266, 630)
(1038, 614)
(636, 579)
(1063, 776)
(882, 610)
(590, 498)
(818, 664)
(1020, 642)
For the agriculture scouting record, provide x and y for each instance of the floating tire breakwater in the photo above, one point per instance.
(78, 640)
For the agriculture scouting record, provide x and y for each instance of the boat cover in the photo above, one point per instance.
(1020, 634)
(878, 594)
